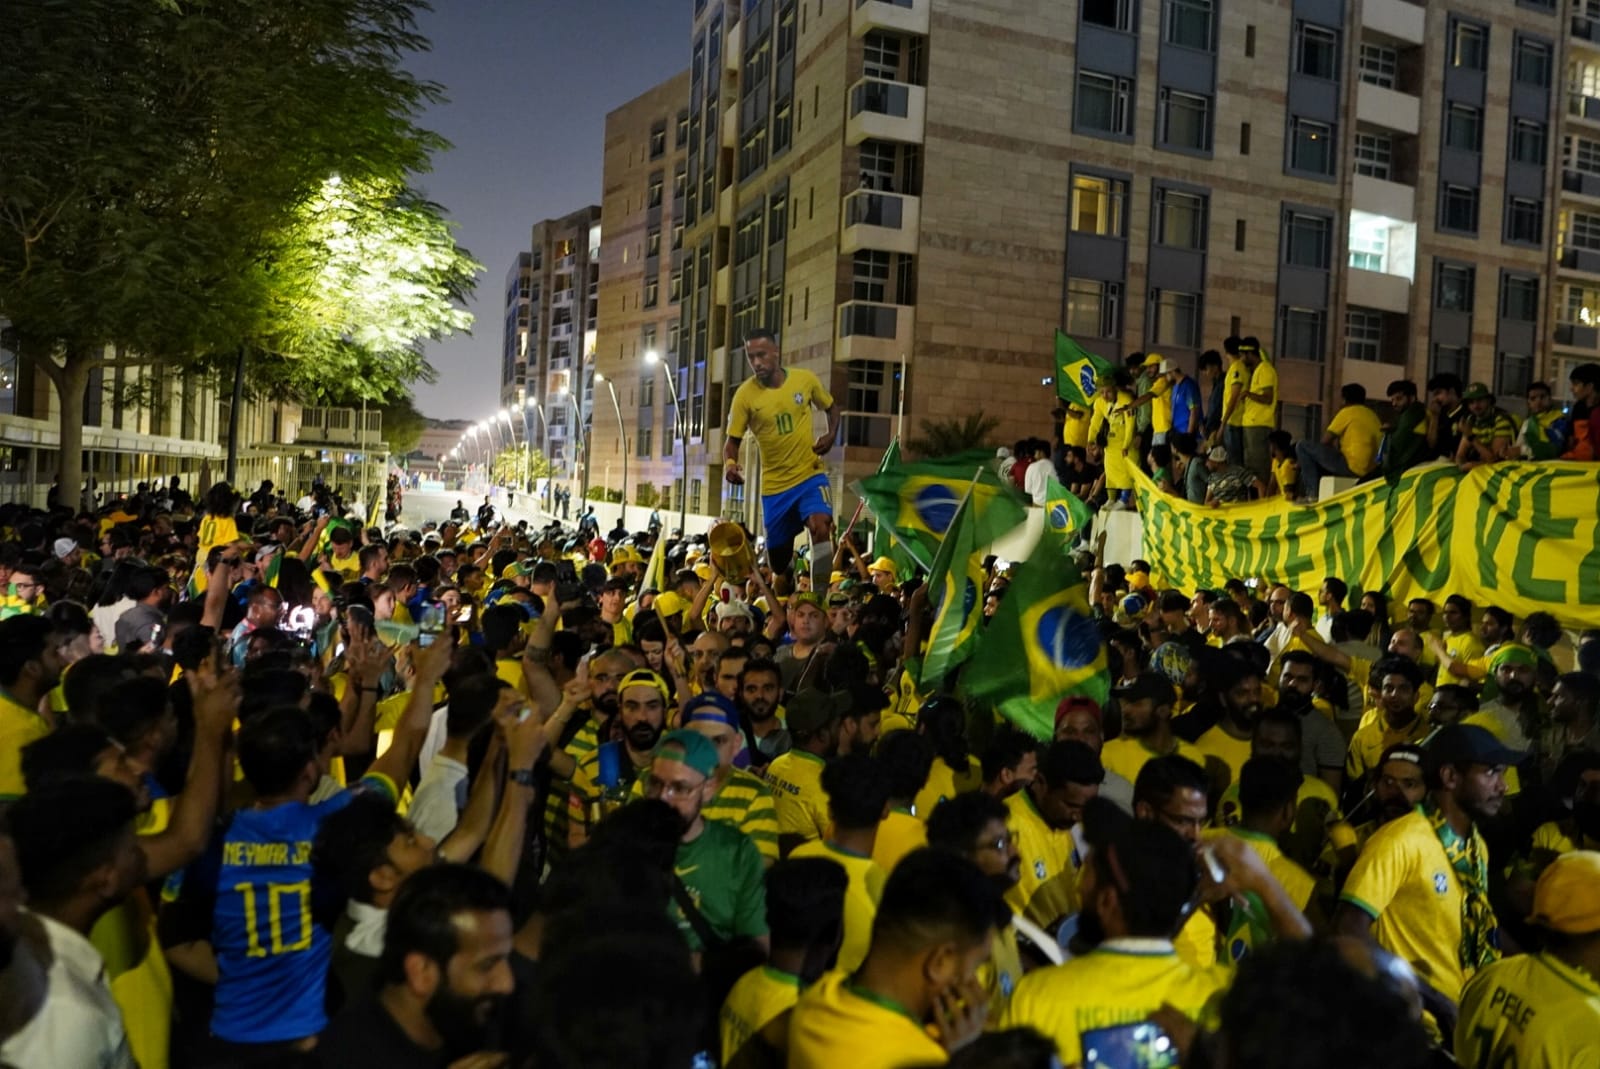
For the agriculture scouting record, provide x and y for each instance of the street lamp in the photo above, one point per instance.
(653, 357)
(622, 517)
(527, 438)
(579, 446)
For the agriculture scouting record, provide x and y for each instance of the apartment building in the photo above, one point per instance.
(916, 193)
(646, 144)
(552, 299)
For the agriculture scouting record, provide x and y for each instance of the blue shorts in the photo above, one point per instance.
(785, 512)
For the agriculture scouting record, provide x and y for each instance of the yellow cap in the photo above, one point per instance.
(703, 571)
(669, 603)
(836, 577)
(626, 555)
(1152, 360)
(882, 564)
(1567, 897)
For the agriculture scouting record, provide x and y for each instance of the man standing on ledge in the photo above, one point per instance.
(776, 405)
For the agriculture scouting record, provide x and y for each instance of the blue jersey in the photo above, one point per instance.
(272, 953)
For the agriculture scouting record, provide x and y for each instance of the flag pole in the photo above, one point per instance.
(900, 415)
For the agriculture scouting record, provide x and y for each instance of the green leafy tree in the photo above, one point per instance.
(946, 437)
(166, 174)
(511, 466)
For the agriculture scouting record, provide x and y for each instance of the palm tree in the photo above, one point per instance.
(942, 438)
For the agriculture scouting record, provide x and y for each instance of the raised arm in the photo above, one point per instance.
(396, 762)
(194, 811)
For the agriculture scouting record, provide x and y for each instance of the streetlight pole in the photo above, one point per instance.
(653, 357)
(622, 516)
(544, 421)
(578, 447)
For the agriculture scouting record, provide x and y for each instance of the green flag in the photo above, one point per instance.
(918, 501)
(1076, 368)
(1040, 646)
(884, 544)
(1065, 516)
(955, 587)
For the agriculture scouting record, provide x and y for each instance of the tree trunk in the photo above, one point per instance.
(71, 381)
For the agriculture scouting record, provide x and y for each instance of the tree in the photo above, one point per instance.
(942, 438)
(161, 159)
(512, 466)
(402, 424)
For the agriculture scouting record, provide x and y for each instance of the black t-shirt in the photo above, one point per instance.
(365, 1034)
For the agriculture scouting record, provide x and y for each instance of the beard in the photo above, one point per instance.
(642, 737)
(760, 712)
(462, 1021)
(606, 704)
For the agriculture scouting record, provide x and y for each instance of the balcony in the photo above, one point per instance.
(886, 111)
(886, 221)
(1374, 289)
(1586, 32)
(1580, 183)
(567, 262)
(730, 126)
(895, 16)
(561, 331)
(1379, 196)
(1578, 336)
(1582, 107)
(871, 331)
(561, 298)
(1584, 260)
(1395, 19)
(1388, 108)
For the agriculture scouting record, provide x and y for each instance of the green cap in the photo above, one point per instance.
(697, 751)
(1512, 653)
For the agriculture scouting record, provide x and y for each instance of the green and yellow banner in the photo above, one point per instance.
(1523, 536)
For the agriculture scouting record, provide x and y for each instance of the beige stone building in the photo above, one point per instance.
(916, 193)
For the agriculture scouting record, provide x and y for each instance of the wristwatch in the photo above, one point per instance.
(522, 777)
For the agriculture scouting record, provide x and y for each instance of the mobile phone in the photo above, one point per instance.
(1129, 1046)
(432, 623)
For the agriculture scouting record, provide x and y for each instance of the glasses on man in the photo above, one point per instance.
(669, 789)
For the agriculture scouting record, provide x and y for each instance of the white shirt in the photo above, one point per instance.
(440, 797)
(434, 741)
(105, 617)
(79, 1024)
(368, 923)
(1037, 480)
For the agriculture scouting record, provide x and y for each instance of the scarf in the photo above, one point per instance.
(1480, 939)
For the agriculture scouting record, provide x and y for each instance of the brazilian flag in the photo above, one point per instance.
(1065, 515)
(1076, 368)
(919, 501)
(884, 544)
(1041, 645)
(955, 585)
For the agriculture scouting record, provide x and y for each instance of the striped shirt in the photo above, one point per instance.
(584, 743)
(744, 803)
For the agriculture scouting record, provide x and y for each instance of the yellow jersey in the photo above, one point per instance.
(1075, 428)
(1372, 738)
(1238, 376)
(1000, 975)
(861, 896)
(1466, 646)
(19, 726)
(758, 998)
(1125, 755)
(1286, 473)
(899, 833)
(1232, 752)
(1048, 888)
(836, 1023)
(214, 531)
(1197, 942)
(944, 782)
(1264, 379)
(1404, 881)
(797, 794)
(1533, 1011)
(509, 671)
(1160, 405)
(1123, 981)
(1296, 882)
(780, 418)
(1360, 433)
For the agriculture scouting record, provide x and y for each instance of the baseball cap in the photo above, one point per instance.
(1153, 360)
(1147, 686)
(670, 603)
(516, 568)
(1078, 703)
(808, 597)
(836, 577)
(626, 555)
(695, 750)
(1469, 744)
(1477, 392)
(813, 710)
(882, 564)
(1218, 454)
(838, 599)
(1166, 366)
(1567, 897)
(1402, 751)
(713, 707)
(643, 677)
(63, 547)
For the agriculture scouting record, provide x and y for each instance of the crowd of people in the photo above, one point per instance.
(1218, 440)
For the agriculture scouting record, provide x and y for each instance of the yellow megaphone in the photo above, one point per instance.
(731, 550)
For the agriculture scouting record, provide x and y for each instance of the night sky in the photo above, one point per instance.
(529, 84)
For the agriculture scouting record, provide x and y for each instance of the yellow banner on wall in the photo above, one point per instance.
(1523, 536)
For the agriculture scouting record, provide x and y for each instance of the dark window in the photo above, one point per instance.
(1185, 121)
(1302, 333)
(1528, 141)
(1453, 288)
(1316, 51)
(1463, 127)
(658, 143)
(1519, 298)
(1458, 208)
(1513, 373)
(1306, 241)
(1113, 14)
(1469, 46)
(1531, 64)
(1311, 147)
(1524, 220)
(1189, 23)
(1105, 103)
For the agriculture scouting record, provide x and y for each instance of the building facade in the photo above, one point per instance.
(916, 193)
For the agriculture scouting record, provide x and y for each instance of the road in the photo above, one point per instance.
(422, 506)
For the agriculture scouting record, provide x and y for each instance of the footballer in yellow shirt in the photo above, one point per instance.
(861, 897)
(797, 794)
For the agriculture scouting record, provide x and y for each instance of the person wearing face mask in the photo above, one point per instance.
(640, 720)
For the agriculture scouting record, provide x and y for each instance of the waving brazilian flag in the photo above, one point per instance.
(1040, 646)
(919, 500)
(1065, 515)
(1076, 368)
(884, 543)
(955, 586)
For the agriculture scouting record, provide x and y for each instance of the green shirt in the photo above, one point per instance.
(1407, 441)
(726, 879)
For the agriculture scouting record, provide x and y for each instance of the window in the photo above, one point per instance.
(1513, 373)
(1528, 141)
(652, 292)
(1104, 103)
(1583, 231)
(1463, 127)
(677, 237)
(644, 435)
(786, 34)
(1112, 14)
(782, 125)
(773, 315)
(1377, 64)
(1453, 288)
(1458, 208)
(680, 182)
(1316, 51)
(1519, 298)
(777, 217)
(877, 165)
(1582, 305)
(647, 383)
(1580, 154)
(652, 242)
(871, 276)
(653, 197)
(1094, 308)
(1363, 335)
(1301, 333)
(1097, 205)
(658, 143)
(1369, 247)
(1469, 46)
(1524, 220)
(1374, 155)
(1177, 319)
(1185, 121)
(880, 56)
(1450, 360)
(1531, 64)
(1310, 146)
(1180, 221)
(1306, 241)
(747, 239)
(1189, 23)
(753, 152)
(681, 138)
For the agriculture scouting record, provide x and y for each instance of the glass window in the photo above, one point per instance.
(871, 276)
(1469, 46)
(1093, 308)
(1458, 208)
(658, 143)
(1583, 231)
(1301, 332)
(1531, 64)
(652, 242)
(1453, 285)
(880, 54)
(1306, 240)
(1177, 323)
(1185, 120)
(1097, 205)
(1374, 155)
(1377, 64)
(1363, 334)
(1316, 52)
(1519, 298)
(1112, 14)
(1311, 147)
(1513, 373)
(1580, 154)
(1450, 360)
(1189, 23)
(1524, 220)
(1104, 103)
(1180, 219)
(1463, 127)
(1369, 247)
(1528, 141)
(1581, 305)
